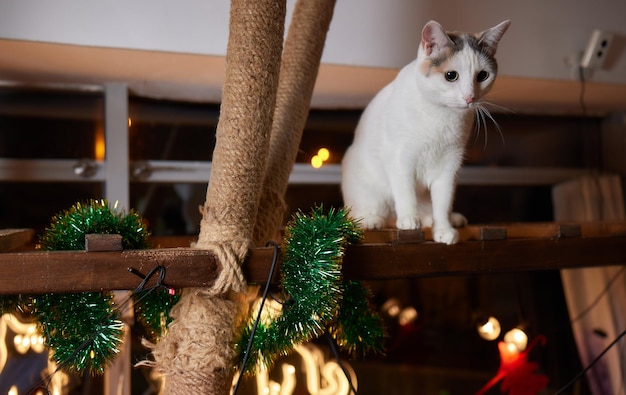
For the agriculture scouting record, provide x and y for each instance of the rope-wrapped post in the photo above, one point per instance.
(196, 355)
(300, 63)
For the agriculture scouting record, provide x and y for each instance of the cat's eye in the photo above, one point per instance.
(482, 76)
(452, 76)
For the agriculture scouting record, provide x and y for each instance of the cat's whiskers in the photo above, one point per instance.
(478, 125)
(482, 116)
(498, 107)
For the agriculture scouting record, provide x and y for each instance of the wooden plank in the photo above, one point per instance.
(603, 228)
(12, 239)
(103, 242)
(393, 236)
(475, 232)
(73, 271)
(541, 229)
(381, 262)
(466, 233)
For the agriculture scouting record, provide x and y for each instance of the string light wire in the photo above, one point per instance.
(598, 298)
(333, 348)
(258, 317)
(266, 294)
(43, 383)
(586, 369)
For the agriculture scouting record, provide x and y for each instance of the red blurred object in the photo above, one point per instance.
(516, 372)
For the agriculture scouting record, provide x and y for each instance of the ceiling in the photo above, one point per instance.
(199, 78)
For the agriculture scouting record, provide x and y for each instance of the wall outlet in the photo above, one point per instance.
(597, 50)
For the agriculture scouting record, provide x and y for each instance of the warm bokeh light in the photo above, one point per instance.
(324, 154)
(407, 315)
(391, 307)
(516, 338)
(99, 144)
(490, 330)
(321, 376)
(26, 339)
(316, 162)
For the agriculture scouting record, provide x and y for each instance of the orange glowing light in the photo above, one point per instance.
(100, 146)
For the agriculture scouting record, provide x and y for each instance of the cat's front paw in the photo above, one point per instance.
(372, 222)
(408, 223)
(446, 235)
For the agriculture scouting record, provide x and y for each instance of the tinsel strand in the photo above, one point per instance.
(312, 283)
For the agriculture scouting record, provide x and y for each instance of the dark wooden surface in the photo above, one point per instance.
(72, 271)
(390, 256)
(13, 239)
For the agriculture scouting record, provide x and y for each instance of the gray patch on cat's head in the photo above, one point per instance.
(459, 42)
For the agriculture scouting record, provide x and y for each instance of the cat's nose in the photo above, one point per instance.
(469, 99)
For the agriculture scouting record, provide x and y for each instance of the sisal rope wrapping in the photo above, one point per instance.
(301, 59)
(196, 355)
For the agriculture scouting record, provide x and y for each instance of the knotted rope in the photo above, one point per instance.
(196, 355)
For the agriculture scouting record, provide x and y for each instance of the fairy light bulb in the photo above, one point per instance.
(407, 315)
(490, 330)
(516, 339)
(323, 154)
(316, 162)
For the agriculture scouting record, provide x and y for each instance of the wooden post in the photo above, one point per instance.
(117, 376)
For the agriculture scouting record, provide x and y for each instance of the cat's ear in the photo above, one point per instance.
(434, 38)
(491, 37)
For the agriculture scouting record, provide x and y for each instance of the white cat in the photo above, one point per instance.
(410, 140)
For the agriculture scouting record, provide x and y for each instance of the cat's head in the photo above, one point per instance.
(458, 69)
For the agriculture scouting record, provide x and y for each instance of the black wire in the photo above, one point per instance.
(599, 297)
(333, 348)
(34, 391)
(43, 383)
(246, 356)
(146, 278)
(596, 359)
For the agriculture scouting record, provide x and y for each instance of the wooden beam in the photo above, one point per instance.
(382, 262)
(74, 271)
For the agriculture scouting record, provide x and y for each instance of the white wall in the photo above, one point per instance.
(190, 26)
(372, 33)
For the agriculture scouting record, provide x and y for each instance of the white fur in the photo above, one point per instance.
(409, 143)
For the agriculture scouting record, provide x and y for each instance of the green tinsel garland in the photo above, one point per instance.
(84, 330)
(152, 311)
(67, 229)
(319, 298)
(358, 328)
